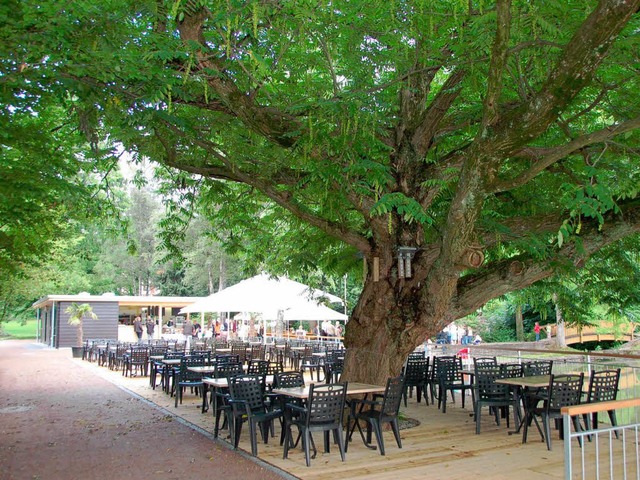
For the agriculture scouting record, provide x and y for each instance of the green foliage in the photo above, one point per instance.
(307, 134)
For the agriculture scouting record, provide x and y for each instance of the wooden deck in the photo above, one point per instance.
(442, 446)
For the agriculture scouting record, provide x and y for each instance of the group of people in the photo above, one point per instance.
(537, 329)
(190, 329)
(458, 335)
(139, 328)
(328, 329)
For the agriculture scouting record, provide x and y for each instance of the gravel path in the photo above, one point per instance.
(58, 421)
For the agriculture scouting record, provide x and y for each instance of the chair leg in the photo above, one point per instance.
(338, 436)
(254, 438)
(614, 421)
(237, 430)
(477, 415)
(396, 431)
(305, 444)
(576, 426)
(287, 440)
(378, 431)
(546, 421)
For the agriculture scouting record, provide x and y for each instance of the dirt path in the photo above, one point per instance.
(58, 421)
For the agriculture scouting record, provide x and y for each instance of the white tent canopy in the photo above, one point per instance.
(269, 295)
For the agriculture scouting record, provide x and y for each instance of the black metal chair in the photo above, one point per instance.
(287, 380)
(382, 409)
(563, 391)
(603, 387)
(241, 350)
(259, 367)
(490, 394)
(324, 412)
(449, 375)
(297, 356)
(155, 365)
(167, 374)
(220, 396)
(116, 356)
(416, 374)
(334, 365)
(185, 378)
(313, 364)
(135, 362)
(246, 397)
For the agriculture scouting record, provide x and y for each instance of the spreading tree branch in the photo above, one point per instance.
(515, 273)
(545, 157)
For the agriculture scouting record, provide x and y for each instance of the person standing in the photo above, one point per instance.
(187, 331)
(137, 328)
(151, 325)
(196, 331)
(536, 330)
(453, 332)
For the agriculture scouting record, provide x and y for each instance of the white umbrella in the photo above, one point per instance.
(263, 294)
(312, 311)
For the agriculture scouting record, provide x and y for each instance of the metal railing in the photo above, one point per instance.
(571, 362)
(609, 452)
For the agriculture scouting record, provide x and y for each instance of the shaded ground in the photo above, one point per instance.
(58, 421)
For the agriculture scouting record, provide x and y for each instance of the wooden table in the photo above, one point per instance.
(203, 369)
(537, 381)
(353, 388)
(219, 384)
(171, 361)
(522, 383)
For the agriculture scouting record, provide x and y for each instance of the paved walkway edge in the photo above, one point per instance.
(208, 435)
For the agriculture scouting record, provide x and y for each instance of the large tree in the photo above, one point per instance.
(464, 149)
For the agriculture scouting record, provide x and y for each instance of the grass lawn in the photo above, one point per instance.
(17, 330)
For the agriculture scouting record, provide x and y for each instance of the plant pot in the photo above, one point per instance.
(76, 352)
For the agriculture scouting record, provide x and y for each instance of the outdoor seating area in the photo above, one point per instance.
(274, 395)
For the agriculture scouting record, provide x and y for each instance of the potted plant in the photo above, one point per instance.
(77, 314)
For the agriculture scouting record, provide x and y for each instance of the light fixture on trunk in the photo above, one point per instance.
(405, 255)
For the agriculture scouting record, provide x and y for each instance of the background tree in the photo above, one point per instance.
(493, 143)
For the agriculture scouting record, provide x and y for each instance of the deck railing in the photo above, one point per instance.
(608, 452)
(567, 362)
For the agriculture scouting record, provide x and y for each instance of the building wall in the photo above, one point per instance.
(106, 326)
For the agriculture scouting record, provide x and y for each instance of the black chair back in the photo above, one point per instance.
(603, 386)
(564, 391)
(325, 407)
(288, 380)
(537, 368)
(392, 396)
(247, 389)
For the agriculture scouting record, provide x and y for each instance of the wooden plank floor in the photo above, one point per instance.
(442, 446)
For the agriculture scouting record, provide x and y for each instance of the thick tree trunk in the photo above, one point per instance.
(384, 328)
